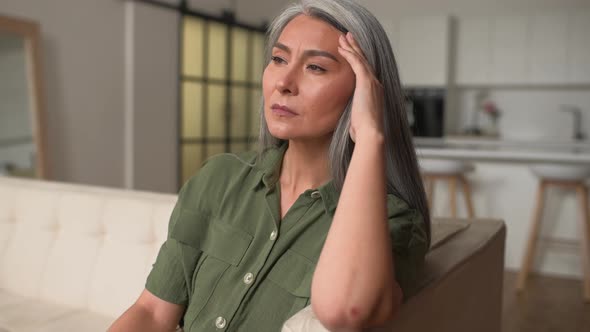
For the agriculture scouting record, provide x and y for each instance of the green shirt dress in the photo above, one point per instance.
(236, 266)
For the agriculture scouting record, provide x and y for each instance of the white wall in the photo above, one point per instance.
(400, 8)
(389, 12)
(527, 112)
(531, 113)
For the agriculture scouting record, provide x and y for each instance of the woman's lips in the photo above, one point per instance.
(282, 110)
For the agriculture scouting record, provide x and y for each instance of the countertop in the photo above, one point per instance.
(503, 150)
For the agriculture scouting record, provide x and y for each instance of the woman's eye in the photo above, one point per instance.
(316, 68)
(277, 59)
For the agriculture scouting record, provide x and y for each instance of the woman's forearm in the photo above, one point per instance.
(137, 318)
(354, 285)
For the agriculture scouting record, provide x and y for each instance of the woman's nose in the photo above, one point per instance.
(287, 82)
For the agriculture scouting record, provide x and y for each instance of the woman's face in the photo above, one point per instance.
(307, 84)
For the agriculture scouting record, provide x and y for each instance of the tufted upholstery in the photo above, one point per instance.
(74, 257)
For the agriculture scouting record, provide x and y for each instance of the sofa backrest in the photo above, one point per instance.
(79, 245)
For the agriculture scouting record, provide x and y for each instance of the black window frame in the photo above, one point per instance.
(227, 18)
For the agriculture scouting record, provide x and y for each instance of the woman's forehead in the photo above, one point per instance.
(309, 31)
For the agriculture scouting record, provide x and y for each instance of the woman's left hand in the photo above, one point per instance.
(367, 101)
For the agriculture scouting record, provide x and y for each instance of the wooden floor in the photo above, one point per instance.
(548, 304)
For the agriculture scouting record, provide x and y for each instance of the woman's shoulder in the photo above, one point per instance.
(229, 161)
(221, 168)
(236, 163)
(397, 205)
(401, 214)
(224, 167)
(406, 224)
(217, 176)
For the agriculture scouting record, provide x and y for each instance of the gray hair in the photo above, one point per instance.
(402, 173)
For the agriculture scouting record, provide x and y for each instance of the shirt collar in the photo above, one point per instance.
(268, 167)
(330, 196)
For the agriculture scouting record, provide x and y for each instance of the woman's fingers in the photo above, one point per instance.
(355, 46)
(350, 46)
(354, 59)
(368, 93)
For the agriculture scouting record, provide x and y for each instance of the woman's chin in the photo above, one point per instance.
(281, 131)
(280, 134)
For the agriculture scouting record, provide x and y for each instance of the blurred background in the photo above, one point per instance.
(137, 94)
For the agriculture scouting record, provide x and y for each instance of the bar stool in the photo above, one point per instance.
(568, 177)
(453, 172)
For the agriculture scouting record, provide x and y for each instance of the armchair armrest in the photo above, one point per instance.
(460, 288)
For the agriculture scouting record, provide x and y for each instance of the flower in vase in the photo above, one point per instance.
(489, 107)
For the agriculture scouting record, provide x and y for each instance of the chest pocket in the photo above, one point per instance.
(217, 246)
(211, 236)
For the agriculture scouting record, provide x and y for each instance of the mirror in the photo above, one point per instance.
(22, 138)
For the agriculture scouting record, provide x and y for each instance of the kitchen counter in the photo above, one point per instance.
(503, 187)
(500, 150)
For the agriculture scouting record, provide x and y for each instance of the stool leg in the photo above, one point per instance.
(453, 195)
(528, 257)
(582, 193)
(467, 195)
(430, 192)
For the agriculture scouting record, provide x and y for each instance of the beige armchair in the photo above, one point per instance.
(460, 289)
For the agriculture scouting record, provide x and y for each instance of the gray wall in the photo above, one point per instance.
(154, 96)
(82, 44)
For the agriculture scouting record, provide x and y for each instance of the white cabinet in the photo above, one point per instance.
(548, 48)
(509, 50)
(423, 50)
(473, 56)
(578, 47)
(491, 50)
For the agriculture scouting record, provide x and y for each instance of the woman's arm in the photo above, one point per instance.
(354, 286)
(149, 313)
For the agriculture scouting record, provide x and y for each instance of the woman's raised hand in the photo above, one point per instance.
(367, 101)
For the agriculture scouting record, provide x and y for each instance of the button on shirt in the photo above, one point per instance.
(237, 266)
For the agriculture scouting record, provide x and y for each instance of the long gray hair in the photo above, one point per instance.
(403, 176)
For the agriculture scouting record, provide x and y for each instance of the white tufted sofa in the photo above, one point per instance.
(73, 257)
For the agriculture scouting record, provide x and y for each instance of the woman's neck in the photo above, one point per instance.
(305, 165)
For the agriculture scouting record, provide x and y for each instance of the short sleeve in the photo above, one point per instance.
(409, 242)
(166, 280)
(170, 276)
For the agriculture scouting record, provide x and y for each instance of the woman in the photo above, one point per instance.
(330, 212)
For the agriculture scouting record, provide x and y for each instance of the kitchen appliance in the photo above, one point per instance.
(425, 110)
